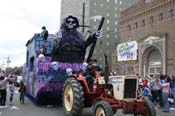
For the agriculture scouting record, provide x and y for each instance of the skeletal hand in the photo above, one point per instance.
(98, 34)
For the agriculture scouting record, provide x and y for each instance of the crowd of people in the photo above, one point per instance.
(160, 89)
(8, 84)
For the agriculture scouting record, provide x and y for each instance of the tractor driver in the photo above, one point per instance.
(93, 66)
(91, 72)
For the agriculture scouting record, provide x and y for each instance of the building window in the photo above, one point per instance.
(116, 30)
(115, 22)
(107, 36)
(107, 43)
(151, 19)
(116, 1)
(95, 4)
(107, 28)
(107, 21)
(120, 2)
(101, 42)
(161, 16)
(116, 8)
(107, 0)
(95, 12)
(107, 14)
(143, 22)
(129, 27)
(136, 25)
(116, 15)
(171, 12)
(107, 6)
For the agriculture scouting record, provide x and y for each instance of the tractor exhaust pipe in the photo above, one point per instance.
(106, 70)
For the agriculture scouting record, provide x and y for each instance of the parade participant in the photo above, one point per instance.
(43, 50)
(44, 33)
(22, 91)
(70, 46)
(165, 93)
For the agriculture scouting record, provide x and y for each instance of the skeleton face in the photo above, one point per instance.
(71, 23)
(41, 58)
(54, 65)
(69, 71)
(85, 64)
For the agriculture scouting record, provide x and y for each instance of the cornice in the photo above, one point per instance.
(145, 10)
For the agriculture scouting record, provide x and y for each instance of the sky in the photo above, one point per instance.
(19, 20)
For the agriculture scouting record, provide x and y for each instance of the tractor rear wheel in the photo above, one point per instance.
(149, 107)
(73, 97)
(102, 108)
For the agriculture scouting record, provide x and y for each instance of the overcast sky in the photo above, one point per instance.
(19, 20)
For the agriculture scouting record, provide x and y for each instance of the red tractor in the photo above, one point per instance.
(106, 94)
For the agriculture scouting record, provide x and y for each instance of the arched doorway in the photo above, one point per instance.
(154, 62)
(152, 54)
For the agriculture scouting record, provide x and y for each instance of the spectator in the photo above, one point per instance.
(43, 49)
(11, 90)
(22, 91)
(3, 87)
(156, 91)
(146, 90)
(140, 84)
(172, 87)
(165, 93)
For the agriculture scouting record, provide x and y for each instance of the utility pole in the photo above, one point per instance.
(3, 65)
(8, 61)
(83, 17)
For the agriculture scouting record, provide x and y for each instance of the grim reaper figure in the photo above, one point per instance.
(69, 45)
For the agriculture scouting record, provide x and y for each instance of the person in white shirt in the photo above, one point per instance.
(3, 87)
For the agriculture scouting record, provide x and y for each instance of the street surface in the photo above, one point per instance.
(30, 109)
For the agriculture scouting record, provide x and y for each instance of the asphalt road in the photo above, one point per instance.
(30, 109)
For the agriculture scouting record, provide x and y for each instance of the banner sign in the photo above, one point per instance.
(127, 51)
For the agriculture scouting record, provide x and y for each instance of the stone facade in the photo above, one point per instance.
(152, 25)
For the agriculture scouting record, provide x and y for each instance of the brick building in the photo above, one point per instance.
(152, 24)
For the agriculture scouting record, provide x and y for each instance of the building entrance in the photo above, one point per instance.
(154, 63)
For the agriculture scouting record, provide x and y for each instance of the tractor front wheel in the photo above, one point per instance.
(73, 97)
(102, 108)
